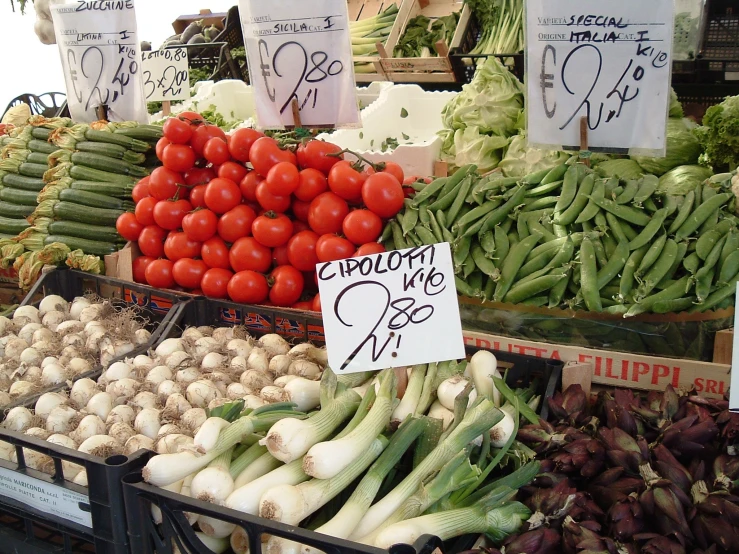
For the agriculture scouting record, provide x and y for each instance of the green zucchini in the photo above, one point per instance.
(114, 138)
(84, 231)
(93, 199)
(108, 189)
(23, 183)
(13, 226)
(112, 151)
(35, 145)
(15, 211)
(82, 173)
(94, 247)
(106, 163)
(21, 197)
(33, 170)
(38, 158)
(148, 133)
(67, 211)
(40, 133)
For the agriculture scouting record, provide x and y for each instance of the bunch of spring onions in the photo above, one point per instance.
(422, 33)
(423, 461)
(501, 23)
(367, 32)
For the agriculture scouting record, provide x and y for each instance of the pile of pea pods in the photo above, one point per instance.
(568, 238)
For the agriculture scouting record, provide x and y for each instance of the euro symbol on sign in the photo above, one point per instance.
(546, 79)
(265, 67)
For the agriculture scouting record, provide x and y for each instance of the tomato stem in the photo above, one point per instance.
(377, 166)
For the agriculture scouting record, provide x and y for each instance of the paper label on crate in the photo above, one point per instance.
(734, 390)
(46, 497)
(392, 309)
(607, 62)
(300, 50)
(101, 57)
(166, 75)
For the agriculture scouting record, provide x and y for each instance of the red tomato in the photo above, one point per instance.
(248, 287)
(216, 151)
(331, 247)
(246, 253)
(193, 118)
(265, 152)
(232, 171)
(197, 196)
(300, 226)
(362, 226)
(236, 223)
(151, 241)
(179, 246)
(287, 285)
(383, 194)
(128, 226)
(222, 195)
(369, 249)
(312, 183)
(283, 179)
(249, 185)
(200, 225)
(241, 142)
(314, 154)
(159, 274)
(395, 170)
(305, 306)
(177, 131)
(162, 143)
(145, 211)
(272, 229)
(327, 212)
(300, 210)
(317, 302)
(188, 273)
(141, 190)
(215, 253)
(168, 214)
(139, 268)
(301, 250)
(164, 183)
(279, 255)
(199, 176)
(178, 157)
(202, 135)
(215, 282)
(346, 181)
(269, 201)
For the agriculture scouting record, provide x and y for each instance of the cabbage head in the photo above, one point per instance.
(469, 146)
(682, 179)
(624, 169)
(521, 160)
(683, 148)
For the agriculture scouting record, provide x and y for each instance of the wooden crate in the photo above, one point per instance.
(425, 70)
(363, 9)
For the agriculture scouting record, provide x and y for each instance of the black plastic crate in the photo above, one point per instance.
(27, 526)
(234, 37)
(148, 538)
(215, 56)
(160, 308)
(720, 48)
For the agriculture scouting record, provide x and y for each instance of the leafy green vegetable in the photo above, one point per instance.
(502, 26)
(521, 159)
(469, 146)
(624, 169)
(682, 179)
(719, 135)
(416, 41)
(676, 109)
(683, 148)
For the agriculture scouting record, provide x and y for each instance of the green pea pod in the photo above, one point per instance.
(451, 215)
(651, 256)
(428, 192)
(536, 301)
(487, 241)
(569, 189)
(651, 229)
(628, 230)
(558, 291)
(475, 280)
(676, 290)
(413, 239)
(717, 296)
(616, 309)
(543, 189)
(616, 228)
(682, 248)
(590, 209)
(387, 233)
(499, 214)
(629, 192)
(710, 262)
(692, 263)
(589, 276)
(563, 255)
(536, 177)
(435, 227)
(609, 244)
(672, 203)
(444, 202)
(698, 196)
(426, 236)
(554, 174)
(647, 187)
(632, 215)
(627, 275)
(468, 266)
(423, 214)
(483, 263)
(475, 214)
(461, 250)
(507, 225)
(601, 222)
(536, 227)
(410, 219)
(600, 251)
(658, 270)
(611, 184)
(535, 204)
(487, 294)
(521, 292)
(701, 214)
(618, 190)
(536, 264)
(464, 289)
(614, 265)
(708, 192)
(513, 263)
(568, 216)
(731, 244)
(712, 220)
(703, 284)
(729, 267)
(683, 212)
(502, 245)
(522, 227)
(398, 240)
(708, 240)
(673, 306)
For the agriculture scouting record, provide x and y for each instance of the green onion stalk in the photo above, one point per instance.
(502, 26)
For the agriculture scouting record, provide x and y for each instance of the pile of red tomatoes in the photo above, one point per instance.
(240, 217)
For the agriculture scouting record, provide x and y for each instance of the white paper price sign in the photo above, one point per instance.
(734, 389)
(166, 75)
(300, 50)
(609, 62)
(391, 310)
(101, 59)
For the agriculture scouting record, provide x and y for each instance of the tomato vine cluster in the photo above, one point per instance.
(239, 216)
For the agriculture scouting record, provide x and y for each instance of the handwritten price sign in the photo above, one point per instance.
(300, 50)
(606, 61)
(101, 59)
(166, 75)
(391, 310)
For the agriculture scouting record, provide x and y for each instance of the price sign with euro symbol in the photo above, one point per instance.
(606, 62)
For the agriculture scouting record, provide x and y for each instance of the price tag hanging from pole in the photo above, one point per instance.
(608, 62)
(101, 58)
(166, 75)
(299, 51)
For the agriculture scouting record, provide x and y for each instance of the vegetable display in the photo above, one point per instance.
(206, 222)
(568, 237)
(367, 32)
